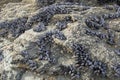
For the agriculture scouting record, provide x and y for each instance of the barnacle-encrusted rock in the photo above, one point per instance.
(59, 41)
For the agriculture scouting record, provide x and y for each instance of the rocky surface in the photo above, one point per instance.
(59, 40)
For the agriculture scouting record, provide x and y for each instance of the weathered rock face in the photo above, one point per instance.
(3, 2)
(59, 41)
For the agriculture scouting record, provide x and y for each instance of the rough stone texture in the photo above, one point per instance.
(3, 2)
(52, 54)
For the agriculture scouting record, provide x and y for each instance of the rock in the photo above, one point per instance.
(81, 46)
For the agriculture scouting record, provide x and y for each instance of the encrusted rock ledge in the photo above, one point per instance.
(59, 41)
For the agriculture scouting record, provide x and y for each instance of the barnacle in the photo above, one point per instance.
(109, 7)
(24, 54)
(45, 39)
(4, 75)
(45, 55)
(68, 19)
(84, 59)
(90, 32)
(20, 74)
(99, 68)
(98, 34)
(116, 68)
(44, 43)
(82, 55)
(59, 35)
(95, 22)
(1, 55)
(53, 46)
(117, 51)
(42, 3)
(40, 27)
(47, 13)
(61, 25)
(31, 61)
(70, 70)
(111, 38)
(32, 64)
(14, 27)
(105, 1)
(108, 1)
